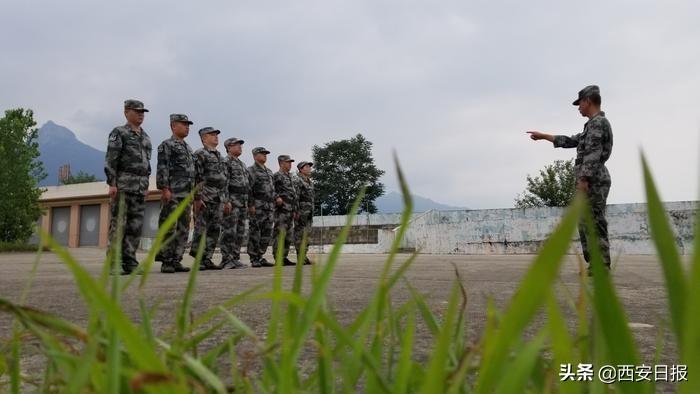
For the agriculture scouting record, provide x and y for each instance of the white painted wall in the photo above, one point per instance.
(519, 231)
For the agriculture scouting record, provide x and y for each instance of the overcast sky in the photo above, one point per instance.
(452, 86)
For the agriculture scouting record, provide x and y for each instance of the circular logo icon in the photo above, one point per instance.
(90, 225)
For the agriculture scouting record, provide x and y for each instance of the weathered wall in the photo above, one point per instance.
(496, 231)
(518, 231)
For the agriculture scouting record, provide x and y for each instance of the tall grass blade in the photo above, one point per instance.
(522, 367)
(662, 234)
(198, 369)
(691, 357)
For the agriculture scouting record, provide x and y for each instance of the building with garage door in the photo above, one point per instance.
(78, 215)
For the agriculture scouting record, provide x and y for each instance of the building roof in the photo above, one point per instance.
(83, 190)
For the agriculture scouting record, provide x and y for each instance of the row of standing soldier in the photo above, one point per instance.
(226, 189)
(226, 193)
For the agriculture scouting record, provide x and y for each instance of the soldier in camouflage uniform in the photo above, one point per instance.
(593, 149)
(211, 198)
(175, 180)
(260, 208)
(286, 206)
(305, 212)
(127, 168)
(238, 191)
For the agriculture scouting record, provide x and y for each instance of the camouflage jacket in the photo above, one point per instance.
(305, 192)
(284, 188)
(593, 149)
(262, 189)
(128, 160)
(210, 175)
(238, 182)
(175, 169)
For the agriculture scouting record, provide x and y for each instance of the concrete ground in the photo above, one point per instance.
(638, 281)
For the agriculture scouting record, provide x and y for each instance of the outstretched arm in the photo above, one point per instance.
(559, 141)
(537, 135)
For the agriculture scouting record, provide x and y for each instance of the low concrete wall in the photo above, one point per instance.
(502, 231)
(375, 219)
(522, 231)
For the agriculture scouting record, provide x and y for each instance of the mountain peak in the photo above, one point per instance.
(59, 146)
(392, 202)
(51, 131)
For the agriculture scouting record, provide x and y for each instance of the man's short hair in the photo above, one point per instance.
(595, 99)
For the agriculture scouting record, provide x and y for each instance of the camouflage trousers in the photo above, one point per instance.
(178, 233)
(207, 222)
(132, 222)
(259, 233)
(284, 220)
(302, 226)
(597, 198)
(232, 234)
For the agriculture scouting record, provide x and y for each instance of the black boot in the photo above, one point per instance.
(167, 268)
(181, 268)
(264, 263)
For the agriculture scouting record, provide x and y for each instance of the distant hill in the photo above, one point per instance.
(58, 146)
(392, 202)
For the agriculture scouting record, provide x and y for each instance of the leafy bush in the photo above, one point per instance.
(17, 247)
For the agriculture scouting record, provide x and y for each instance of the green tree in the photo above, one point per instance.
(20, 173)
(341, 169)
(554, 187)
(80, 177)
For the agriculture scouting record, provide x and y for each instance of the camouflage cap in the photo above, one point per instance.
(284, 158)
(304, 163)
(587, 92)
(232, 141)
(260, 149)
(135, 105)
(208, 130)
(182, 118)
